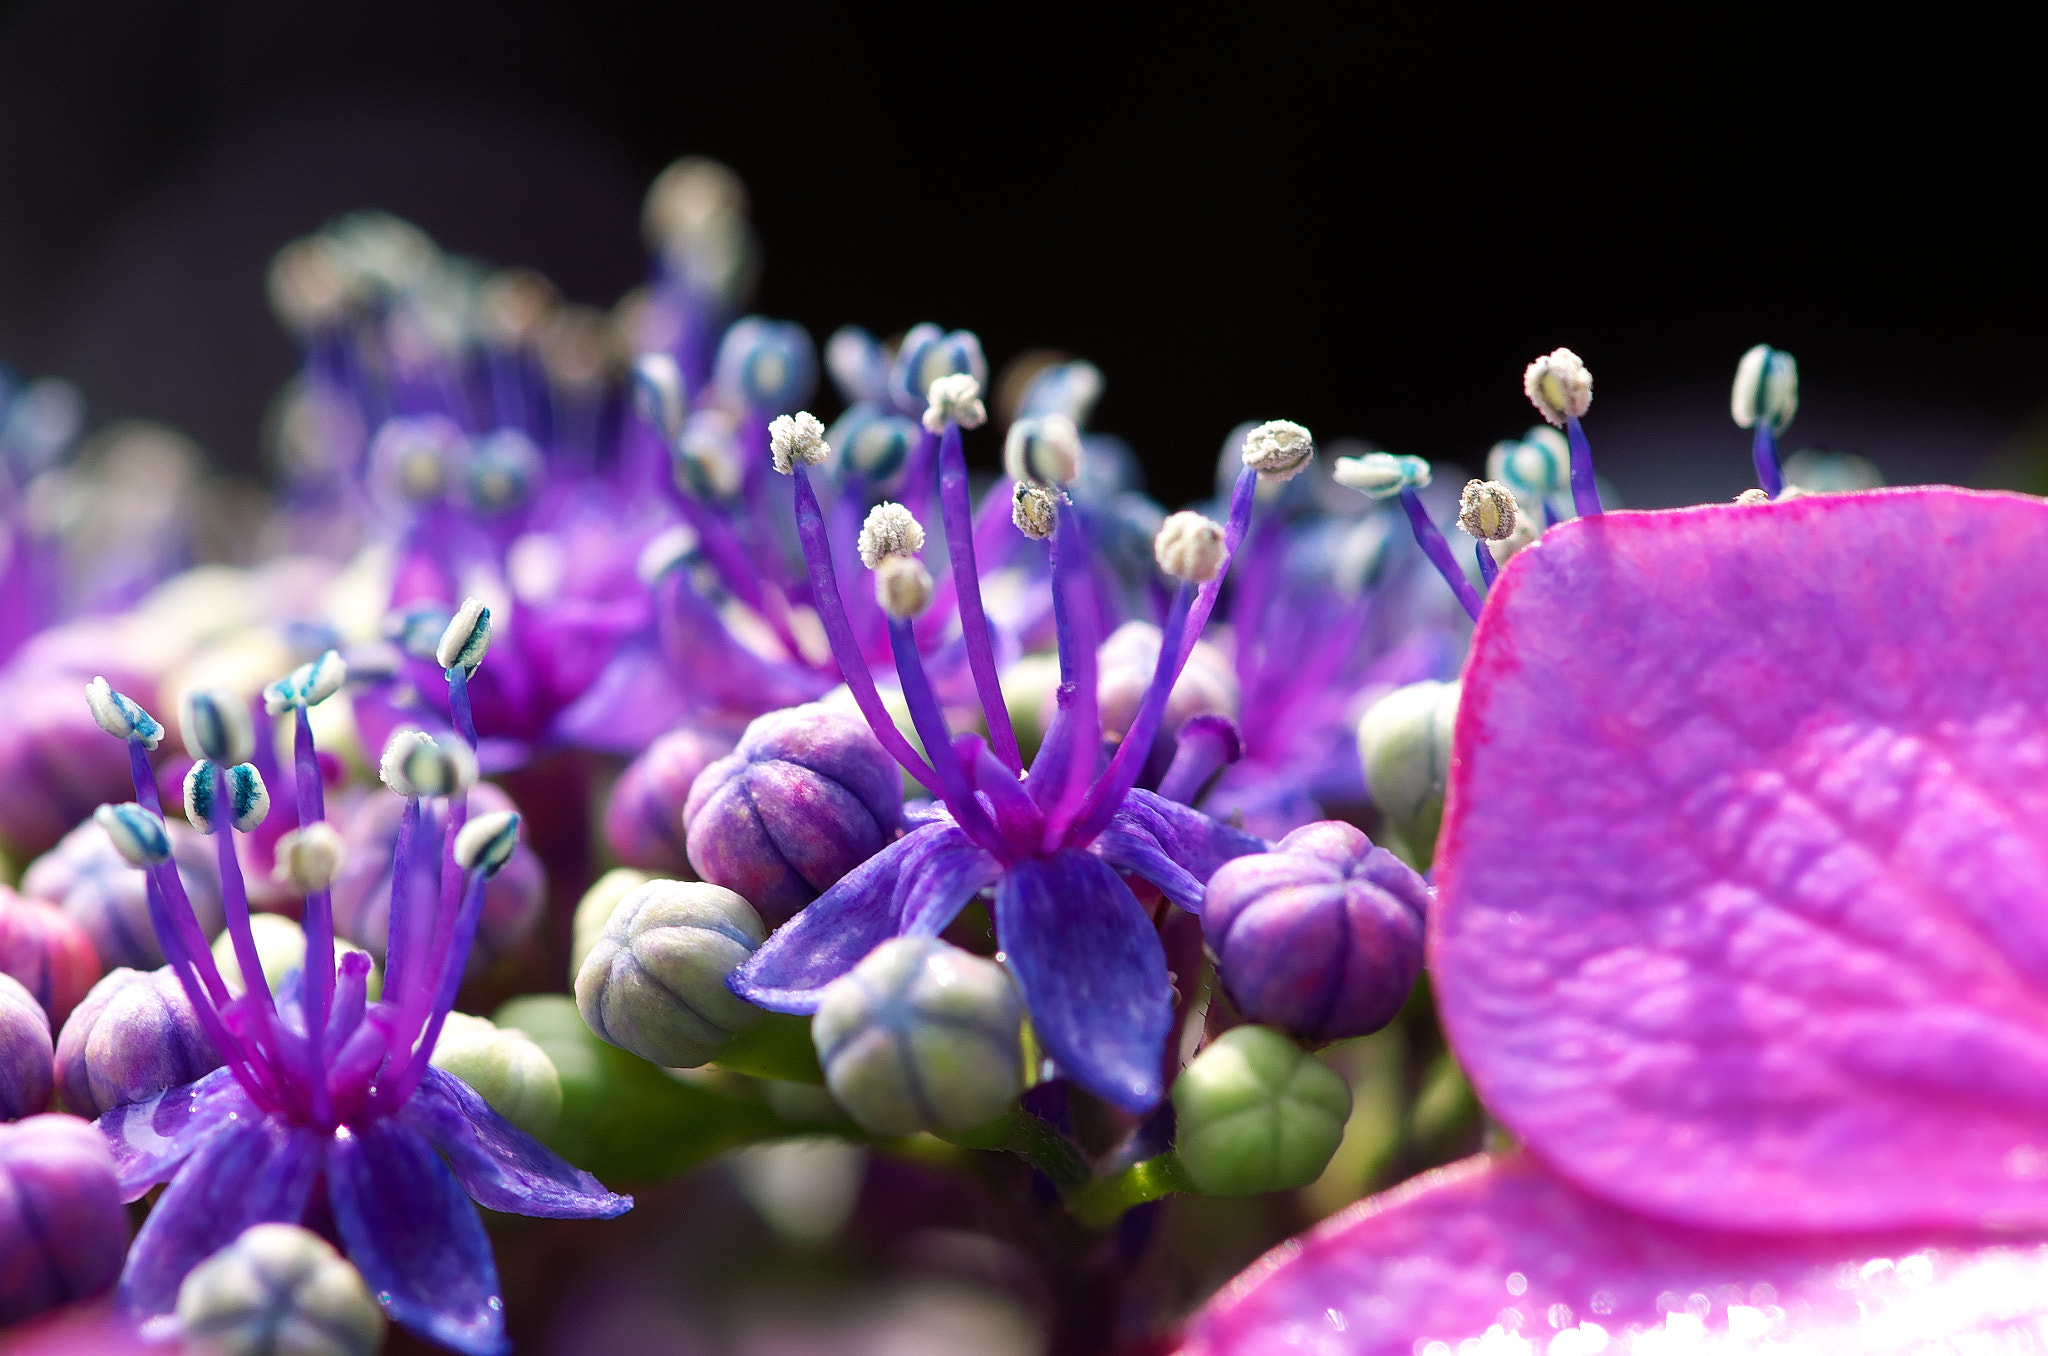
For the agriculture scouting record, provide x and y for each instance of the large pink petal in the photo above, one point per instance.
(1500, 1258)
(1744, 878)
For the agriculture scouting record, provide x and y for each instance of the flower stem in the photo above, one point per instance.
(1102, 1203)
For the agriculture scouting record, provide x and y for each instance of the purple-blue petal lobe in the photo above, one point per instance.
(149, 1139)
(501, 1166)
(1171, 845)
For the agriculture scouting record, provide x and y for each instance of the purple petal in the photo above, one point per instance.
(1502, 1254)
(1171, 845)
(1092, 971)
(917, 884)
(251, 1171)
(415, 1237)
(501, 1166)
(149, 1139)
(630, 704)
(1742, 910)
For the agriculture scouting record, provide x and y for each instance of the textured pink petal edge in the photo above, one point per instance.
(1821, 1000)
(1499, 1257)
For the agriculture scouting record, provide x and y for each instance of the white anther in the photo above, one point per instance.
(1559, 386)
(487, 842)
(1766, 389)
(309, 859)
(903, 587)
(658, 394)
(1045, 448)
(955, 397)
(137, 834)
(1381, 474)
(417, 764)
(794, 438)
(466, 637)
(121, 717)
(1189, 547)
(1486, 510)
(1035, 509)
(1752, 495)
(216, 725)
(889, 531)
(1278, 449)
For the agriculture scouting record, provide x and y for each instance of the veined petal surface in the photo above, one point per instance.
(499, 1165)
(150, 1138)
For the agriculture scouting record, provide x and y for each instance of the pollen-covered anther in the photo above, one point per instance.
(1278, 449)
(1045, 448)
(1752, 495)
(890, 530)
(121, 717)
(1035, 509)
(1486, 510)
(1766, 389)
(417, 764)
(955, 397)
(1559, 386)
(903, 587)
(1189, 547)
(466, 637)
(794, 438)
(1381, 475)
(309, 858)
(307, 685)
(248, 797)
(137, 834)
(216, 726)
(487, 842)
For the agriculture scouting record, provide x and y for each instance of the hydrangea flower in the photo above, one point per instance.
(1740, 932)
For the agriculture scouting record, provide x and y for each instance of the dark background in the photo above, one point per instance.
(1369, 229)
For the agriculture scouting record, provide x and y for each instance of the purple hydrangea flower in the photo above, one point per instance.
(1740, 932)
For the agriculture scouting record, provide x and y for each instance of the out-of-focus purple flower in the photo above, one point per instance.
(55, 764)
(806, 796)
(643, 821)
(91, 882)
(1321, 936)
(62, 1228)
(45, 949)
(27, 1071)
(133, 1037)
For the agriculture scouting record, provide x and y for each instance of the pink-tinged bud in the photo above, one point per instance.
(27, 1070)
(86, 876)
(134, 1036)
(643, 822)
(56, 764)
(808, 795)
(1321, 936)
(63, 1229)
(47, 951)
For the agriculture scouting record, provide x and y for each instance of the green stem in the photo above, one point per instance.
(1031, 1139)
(1100, 1204)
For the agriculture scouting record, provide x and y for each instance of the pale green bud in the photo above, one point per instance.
(281, 947)
(1256, 1113)
(594, 910)
(506, 1068)
(654, 981)
(278, 1290)
(1404, 746)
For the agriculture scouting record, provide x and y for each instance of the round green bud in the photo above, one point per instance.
(594, 910)
(281, 946)
(921, 1036)
(278, 1290)
(654, 981)
(1404, 746)
(1257, 1113)
(505, 1067)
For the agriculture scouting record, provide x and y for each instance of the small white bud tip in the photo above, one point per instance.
(1486, 510)
(307, 685)
(1381, 474)
(1766, 389)
(890, 530)
(466, 638)
(1752, 495)
(955, 397)
(1189, 547)
(1278, 449)
(417, 764)
(137, 834)
(658, 394)
(1035, 509)
(794, 438)
(903, 587)
(487, 842)
(1559, 386)
(119, 716)
(309, 859)
(1045, 448)
(248, 797)
(216, 725)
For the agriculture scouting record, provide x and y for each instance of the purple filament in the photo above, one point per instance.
(957, 514)
(1439, 552)
(1074, 624)
(1130, 755)
(1585, 492)
(1770, 477)
(1489, 568)
(930, 722)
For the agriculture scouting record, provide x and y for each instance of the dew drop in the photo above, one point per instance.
(1517, 1283)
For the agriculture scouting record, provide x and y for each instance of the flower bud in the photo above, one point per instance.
(654, 982)
(1043, 448)
(137, 834)
(873, 445)
(467, 636)
(486, 842)
(279, 1288)
(63, 1229)
(705, 462)
(1278, 450)
(1255, 1113)
(216, 726)
(794, 438)
(955, 399)
(49, 953)
(890, 530)
(56, 762)
(87, 876)
(807, 795)
(903, 587)
(119, 716)
(1070, 388)
(248, 798)
(27, 1055)
(1486, 510)
(766, 365)
(1035, 510)
(307, 685)
(643, 821)
(1766, 389)
(1404, 746)
(505, 1067)
(309, 859)
(859, 366)
(1189, 548)
(921, 1036)
(281, 950)
(1559, 386)
(133, 1036)
(658, 394)
(1535, 467)
(409, 459)
(417, 764)
(1381, 475)
(594, 911)
(1322, 936)
(927, 355)
(1207, 686)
